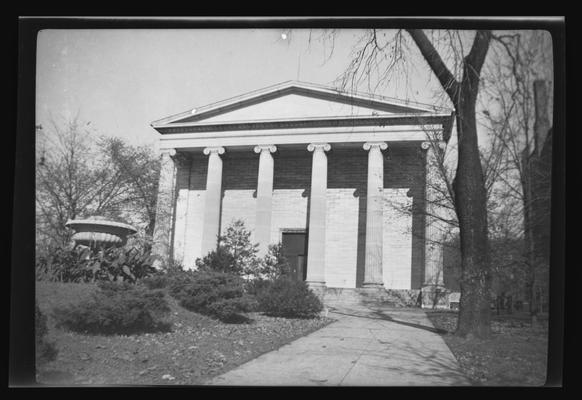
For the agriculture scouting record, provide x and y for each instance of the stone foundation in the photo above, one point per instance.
(337, 297)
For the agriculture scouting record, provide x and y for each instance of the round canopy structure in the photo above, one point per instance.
(100, 232)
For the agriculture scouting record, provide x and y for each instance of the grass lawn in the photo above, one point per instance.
(515, 355)
(198, 347)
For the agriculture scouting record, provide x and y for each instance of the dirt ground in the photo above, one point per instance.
(197, 348)
(515, 355)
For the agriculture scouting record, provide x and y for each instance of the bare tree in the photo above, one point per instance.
(479, 190)
(519, 104)
(383, 55)
(71, 181)
(78, 176)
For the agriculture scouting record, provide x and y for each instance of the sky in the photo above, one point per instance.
(121, 80)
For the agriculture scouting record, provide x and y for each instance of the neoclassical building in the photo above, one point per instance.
(340, 179)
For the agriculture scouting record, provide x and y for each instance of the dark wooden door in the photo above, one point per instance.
(295, 250)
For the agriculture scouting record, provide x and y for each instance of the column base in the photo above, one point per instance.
(372, 294)
(435, 296)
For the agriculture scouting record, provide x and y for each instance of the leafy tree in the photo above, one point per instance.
(71, 181)
(274, 264)
(80, 175)
(237, 240)
(235, 253)
(141, 170)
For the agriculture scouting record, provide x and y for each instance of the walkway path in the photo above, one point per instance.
(365, 347)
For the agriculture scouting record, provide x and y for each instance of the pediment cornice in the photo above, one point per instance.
(308, 123)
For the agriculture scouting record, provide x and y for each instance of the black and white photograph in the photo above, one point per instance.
(270, 203)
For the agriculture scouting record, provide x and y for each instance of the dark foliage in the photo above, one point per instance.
(212, 293)
(87, 265)
(255, 286)
(156, 281)
(45, 350)
(286, 297)
(219, 260)
(117, 308)
(63, 265)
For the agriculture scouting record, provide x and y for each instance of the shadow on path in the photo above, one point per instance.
(379, 315)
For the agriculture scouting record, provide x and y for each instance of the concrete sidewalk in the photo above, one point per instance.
(365, 347)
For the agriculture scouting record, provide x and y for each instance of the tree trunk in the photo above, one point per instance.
(469, 186)
(471, 208)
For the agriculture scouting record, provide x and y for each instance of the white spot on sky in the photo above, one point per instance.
(284, 36)
(193, 111)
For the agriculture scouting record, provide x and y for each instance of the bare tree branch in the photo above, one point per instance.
(432, 57)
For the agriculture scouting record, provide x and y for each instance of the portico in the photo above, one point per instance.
(348, 170)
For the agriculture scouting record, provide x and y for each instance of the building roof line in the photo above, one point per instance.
(289, 85)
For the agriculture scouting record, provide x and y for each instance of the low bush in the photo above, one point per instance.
(161, 279)
(217, 294)
(219, 260)
(234, 254)
(254, 286)
(121, 264)
(63, 265)
(117, 308)
(290, 298)
(45, 350)
(156, 281)
(82, 264)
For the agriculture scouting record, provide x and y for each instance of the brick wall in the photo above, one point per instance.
(239, 184)
(346, 208)
(291, 186)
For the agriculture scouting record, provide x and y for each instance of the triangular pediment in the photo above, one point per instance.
(292, 101)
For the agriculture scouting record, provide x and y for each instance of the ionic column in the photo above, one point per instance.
(211, 223)
(317, 215)
(373, 276)
(162, 237)
(183, 168)
(264, 197)
(433, 270)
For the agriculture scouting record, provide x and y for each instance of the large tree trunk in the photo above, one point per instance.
(471, 208)
(469, 186)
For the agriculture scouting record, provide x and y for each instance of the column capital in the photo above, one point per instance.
(428, 144)
(212, 150)
(170, 152)
(265, 147)
(319, 146)
(369, 145)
